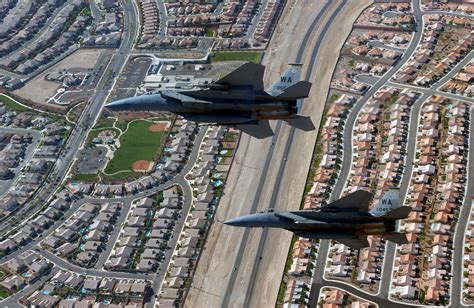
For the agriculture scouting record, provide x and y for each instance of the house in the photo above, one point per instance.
(405, 292)
(146, 265)
(91, 284)
(119, 262)
(86, 257)
(335, 296)
(107, 286)
(146, 203)
(13, 283)
(138, 289)
(150, 253)
(122, 287)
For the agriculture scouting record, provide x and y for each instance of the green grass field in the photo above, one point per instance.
(7, 101)
(120, 176)
(250, 56)
(138, 143)
(122, 125)
(85, 177)
(3, 293)
(104, 122)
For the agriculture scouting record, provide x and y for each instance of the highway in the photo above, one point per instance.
(263, 178)
(223, 248)
(281, 170)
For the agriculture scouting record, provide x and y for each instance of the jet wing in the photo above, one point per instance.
(356, 243)
(260, 131)
(248, 74)
(358, 200)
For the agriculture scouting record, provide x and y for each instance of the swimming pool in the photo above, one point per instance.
(217, 183)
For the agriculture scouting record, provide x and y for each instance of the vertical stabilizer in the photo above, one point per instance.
(290, 77)
(388, 203)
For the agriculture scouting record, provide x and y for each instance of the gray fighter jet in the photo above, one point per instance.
(238, 99)
(347, 220)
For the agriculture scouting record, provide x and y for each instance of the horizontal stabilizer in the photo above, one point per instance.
(298, 90)
(398, 213)
(356, 243)
(397, 238)
(359, 200)
(260, 131)
(301, 122)
(248, 74)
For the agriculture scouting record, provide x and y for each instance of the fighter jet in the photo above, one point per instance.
(347, 220)
(238, 99)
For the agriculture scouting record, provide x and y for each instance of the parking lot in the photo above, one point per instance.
(131, 78)
(205, 70)
(91, 160)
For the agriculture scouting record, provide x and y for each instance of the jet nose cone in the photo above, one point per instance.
(122, 104)
(252, 220)
(146, 102)
(237, 222)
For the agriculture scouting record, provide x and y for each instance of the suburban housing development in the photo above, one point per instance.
(104, 208)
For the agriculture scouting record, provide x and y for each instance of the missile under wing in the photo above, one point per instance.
(238, 99)
(347, 220)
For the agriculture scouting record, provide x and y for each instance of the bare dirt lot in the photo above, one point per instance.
(39, 89)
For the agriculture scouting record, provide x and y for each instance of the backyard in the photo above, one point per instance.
(3, 293)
